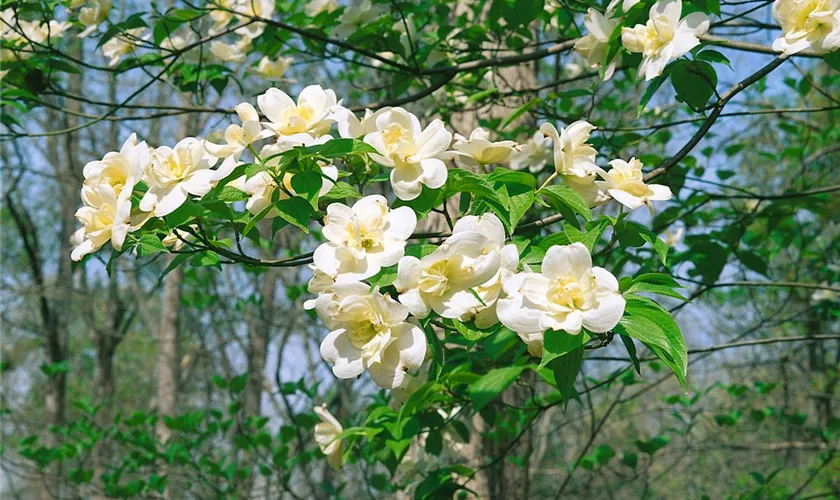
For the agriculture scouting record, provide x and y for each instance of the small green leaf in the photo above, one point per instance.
(485, 389)
(340, 192)
(149, 244)
(559, 343)
(694, 82)
(565, 370)
(558, 195)
(182, 214)
(295, 211)
(521, 110)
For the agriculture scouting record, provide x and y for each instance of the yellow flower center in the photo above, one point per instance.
(567, 292)
(433, 279)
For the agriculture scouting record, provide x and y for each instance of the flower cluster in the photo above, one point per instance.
(22, 37)
(472, 276)
(665, 36)
(813, 24)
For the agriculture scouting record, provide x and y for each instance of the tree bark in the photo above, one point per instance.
(167, 356)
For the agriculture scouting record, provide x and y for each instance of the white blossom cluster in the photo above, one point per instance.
(807, 24)
(472, 276)
(23, 37)
(666, 36)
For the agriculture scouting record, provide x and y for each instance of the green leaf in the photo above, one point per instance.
(417, 399)
(149, 244)
(646, 321)
(565, 370)
(420, 251)
(694, 82)
(237, 384)
(386, 276)
(295, 211)
(651, 89)
(182, 214)
(341, 191)
(175, 262)
(630, 459)
(464, 181)
(485, 389)
(588, 238)
(521, 198)
(423, 204)
(563, 196)
(473, 333)
(507, 176)
(657, 279)
(183, 15)
(559, 343)
(521, 110)
(228, 194)
(438, 354)
(338, 148)
(655, 289)
(653, 445)
(713, 56)
(307, 184)
(52, 369)
(753, 261)
(833, 59)
(631, 351)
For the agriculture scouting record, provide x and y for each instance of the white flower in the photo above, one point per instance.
(574, 159)
(625, 182)
(480, 307)
(235, 52)
(364, 238)
(807, 23)
(569, 294)
(262, 186)
(121, 45)
(120, 170)
(179, 39)
(273, 70)
(673, 238)
(326, 436)
(315, 7)
(104, 217)
(92, 15)
(626, 5)
(369, 332)
(593, 45)
(825, 295)
(665, 36)
(443, 280)
(357, 15)
(175, 173)
(412, 153)
(16, 32)
(534, 154)
(222, 17)
(259, 9)
(239, 137)
(408, 38)
(478, 150)
(313, 113)
(177, 238)
(350, 127)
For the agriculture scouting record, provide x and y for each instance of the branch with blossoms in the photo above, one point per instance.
(385, 301)
(400, 302)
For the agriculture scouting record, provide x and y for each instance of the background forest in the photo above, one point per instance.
(159, 376)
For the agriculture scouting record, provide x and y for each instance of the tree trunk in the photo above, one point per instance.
(167, 355)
